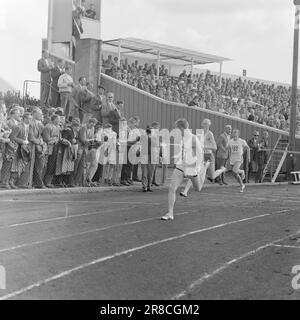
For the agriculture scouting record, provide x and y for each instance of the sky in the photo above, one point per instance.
(257, 35)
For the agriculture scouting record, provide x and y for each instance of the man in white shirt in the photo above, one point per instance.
(65, 84)
(237, 147)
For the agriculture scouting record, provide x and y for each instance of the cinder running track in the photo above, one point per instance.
(112, 245)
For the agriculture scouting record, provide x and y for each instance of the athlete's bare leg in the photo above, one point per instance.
(202, 176)
(239, 175)
(176, 181)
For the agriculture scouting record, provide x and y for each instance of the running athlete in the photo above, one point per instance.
(237, 147)
(195, 171)
(210, 147)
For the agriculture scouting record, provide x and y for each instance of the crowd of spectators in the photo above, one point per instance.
(13, 97)
(75, 138)
(267, 104)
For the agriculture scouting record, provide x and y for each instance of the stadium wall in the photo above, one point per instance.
(151, 108)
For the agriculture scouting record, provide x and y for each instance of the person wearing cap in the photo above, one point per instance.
(222, 153)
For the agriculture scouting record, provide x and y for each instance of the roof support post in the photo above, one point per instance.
(158, 64)
(119, 52)
(192, 66)
(220, 79)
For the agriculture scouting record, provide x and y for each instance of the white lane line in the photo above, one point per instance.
(286, 246)
(225, 266)
(51, 202)
(30, 244)
(242, 196)
(123, 253)
(65, 217)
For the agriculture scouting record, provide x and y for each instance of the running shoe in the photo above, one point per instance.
(167, 217)
(182, 194)
(242, 188)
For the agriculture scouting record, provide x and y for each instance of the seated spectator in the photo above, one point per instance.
(91, 13)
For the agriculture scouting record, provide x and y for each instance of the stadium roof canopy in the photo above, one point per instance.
(166, 53)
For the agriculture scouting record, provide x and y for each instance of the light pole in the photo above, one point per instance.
(292, 138)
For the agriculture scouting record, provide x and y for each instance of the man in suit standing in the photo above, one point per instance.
(56, 72)
(44, 67)
(19, 135)
(10, 150)
(35, 137)
(77, 96)
(253, 143)
(107, 108)
(223, 152)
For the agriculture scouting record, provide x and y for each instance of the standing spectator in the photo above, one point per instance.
(161, 153)
(147, 165)
(222, 154)
(101, 94)
(51, 135)
(4, 138)
(56, 72)
(77, 97)
(44, 67)
(262, 156)
(10, 150)
(133, 138)
(65, 84)
(109, 148)
(107, 108)
(91, 13)
(85, 138)
(135, 167)
(90, 104)
(67, 154)
(35, 137)
(253, 144)
(19, 136)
